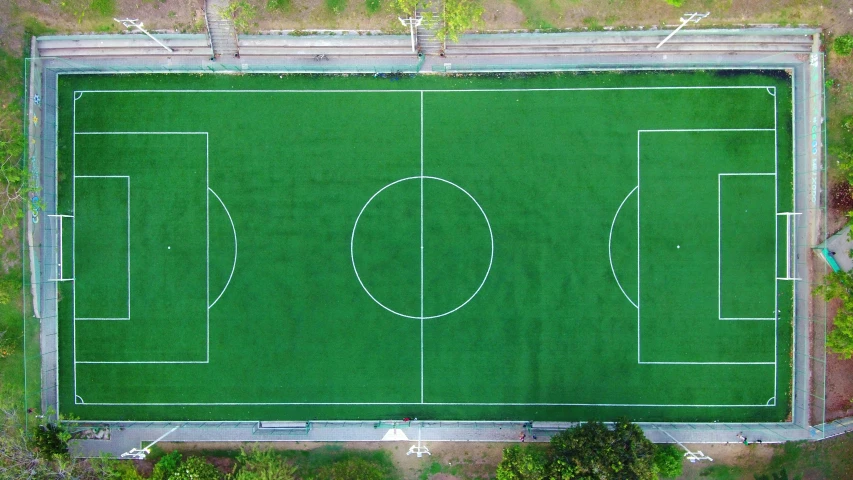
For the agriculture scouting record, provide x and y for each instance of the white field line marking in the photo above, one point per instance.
(610, 245)
(776, 246)
(140, 133)
(73, 239)
(677, 130)
(639, 132)
(440, 91)
(127, 178)
(720, 243)
(639, 296)
(74, 236)
(234, 265)
(437, 91)
(494, 404)
(92, 362)
(56, 189)
(794, 417)
(491, 241)
(422, 247)
(708, 363)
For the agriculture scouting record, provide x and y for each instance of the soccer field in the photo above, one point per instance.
(536, 247)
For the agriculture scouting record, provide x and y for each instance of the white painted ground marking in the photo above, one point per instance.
(720, 242)
(74, 254)
(639, 132)
(234, 265)
(491, 240)
(78, 94)
(518, 90)
(610, 245)
(74, 236)
(422, 247)
(493, 404)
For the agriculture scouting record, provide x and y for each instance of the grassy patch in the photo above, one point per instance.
(533, 14)
(336, 6)
(722, 472)
(35, 28)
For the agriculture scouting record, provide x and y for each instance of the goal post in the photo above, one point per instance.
(59, 275)
(790, 226)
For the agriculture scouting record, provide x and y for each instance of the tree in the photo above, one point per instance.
(530, 463)
(593, 450)
(669, 461)
(839, 285)
(405, 7)
(14, 181)
(458, 16)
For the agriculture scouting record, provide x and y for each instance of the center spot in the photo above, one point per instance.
(422, 247)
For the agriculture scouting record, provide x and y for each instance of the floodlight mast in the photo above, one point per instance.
(694, 17)
(411, 22)
(127, 22)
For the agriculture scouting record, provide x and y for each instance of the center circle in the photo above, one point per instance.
(422, 247)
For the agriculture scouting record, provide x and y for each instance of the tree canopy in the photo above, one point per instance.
(590, 451)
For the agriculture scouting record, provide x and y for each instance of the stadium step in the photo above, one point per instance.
(223, 34)
(428, 43)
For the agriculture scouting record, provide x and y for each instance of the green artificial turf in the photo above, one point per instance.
(432, 247)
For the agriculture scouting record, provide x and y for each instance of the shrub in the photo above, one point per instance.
(50, 440)
(195, 468)
(261, 465)
(166, 466)
(675, 3)
(373, 6)
(843, 45)
(669, 461)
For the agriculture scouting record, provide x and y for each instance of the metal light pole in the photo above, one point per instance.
(411, 22)
(127, 22)
(693, 17)
(140, 453)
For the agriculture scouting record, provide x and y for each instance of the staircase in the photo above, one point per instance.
(223, 35)
(427, 41)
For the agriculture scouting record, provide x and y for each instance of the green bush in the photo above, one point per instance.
(195, 468)
(669, 461)
(843, 45)
(675, 3)
(261, 465)
(50, 440)
(166, 466)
